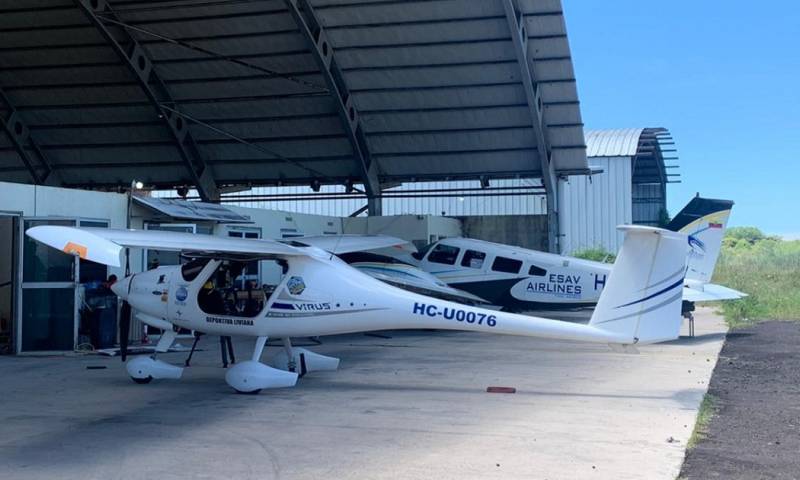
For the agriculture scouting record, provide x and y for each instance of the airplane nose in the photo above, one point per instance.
(122, 287)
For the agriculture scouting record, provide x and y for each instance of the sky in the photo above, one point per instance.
(722, 76)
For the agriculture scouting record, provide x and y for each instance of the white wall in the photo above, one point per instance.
(592, 207)
(276, 224)
(451, 206)
(39, 201)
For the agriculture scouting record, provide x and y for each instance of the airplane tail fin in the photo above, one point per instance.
(704, 221)
(642, 298)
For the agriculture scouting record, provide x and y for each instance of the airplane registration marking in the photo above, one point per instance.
(454, 314)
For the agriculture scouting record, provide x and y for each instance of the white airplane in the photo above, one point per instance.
(321, 295)
(521, 279)
(390, 260)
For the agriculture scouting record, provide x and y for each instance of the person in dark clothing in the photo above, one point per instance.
(210, 300)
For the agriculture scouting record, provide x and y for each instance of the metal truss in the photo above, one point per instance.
(140, 65)
(312, 29)
(37, 164)
(519, 37)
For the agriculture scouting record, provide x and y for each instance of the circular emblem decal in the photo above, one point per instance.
(181, 294)
(296, 285)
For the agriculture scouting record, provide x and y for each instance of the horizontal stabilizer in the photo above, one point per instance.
(711, 292)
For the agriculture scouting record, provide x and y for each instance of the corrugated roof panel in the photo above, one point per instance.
(620, 142)
(436, 84)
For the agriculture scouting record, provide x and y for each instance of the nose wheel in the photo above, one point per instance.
(142, 381)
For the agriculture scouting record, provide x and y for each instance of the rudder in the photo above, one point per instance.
(642, 299)
(704, 221)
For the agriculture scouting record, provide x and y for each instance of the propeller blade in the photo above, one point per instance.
(124, 329)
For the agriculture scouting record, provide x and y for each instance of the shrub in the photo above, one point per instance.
(597, 254)
(766, 268)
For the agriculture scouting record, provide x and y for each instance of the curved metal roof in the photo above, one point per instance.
(618, 142)
(650, 149)
(94, 93)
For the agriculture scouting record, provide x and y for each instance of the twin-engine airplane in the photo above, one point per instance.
(320, 294)
(521, 279)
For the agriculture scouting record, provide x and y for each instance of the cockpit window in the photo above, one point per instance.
(190, 270)
(419, 255)
(222, 294)
(444, 254)
(473, 259)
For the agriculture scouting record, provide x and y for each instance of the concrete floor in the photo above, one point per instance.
(410, 406)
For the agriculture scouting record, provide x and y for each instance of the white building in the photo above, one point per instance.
(630, 188)
(42, 291)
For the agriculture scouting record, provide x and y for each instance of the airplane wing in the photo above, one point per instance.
(711, 293)
(340, 244)
(416, 280)
(105, 245)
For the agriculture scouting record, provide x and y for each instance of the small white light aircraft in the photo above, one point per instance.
(518, 279)
(321, 295)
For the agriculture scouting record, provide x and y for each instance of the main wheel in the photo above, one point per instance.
(142, 381)
(254, 392)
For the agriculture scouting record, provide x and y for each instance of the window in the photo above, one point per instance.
(250, 273)
(45, 264)
(192, 269)
(90, 271)
(222, 294)
(507, 265)
(444, 254)
(473, 259)
(537, 271)
(422, 249)
(157, 258)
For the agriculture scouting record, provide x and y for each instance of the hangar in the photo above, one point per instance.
(457, 108)
(224, 94)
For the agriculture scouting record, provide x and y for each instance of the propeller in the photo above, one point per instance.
(124, 329)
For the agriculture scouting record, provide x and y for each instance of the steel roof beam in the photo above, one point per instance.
(314, 33)
(20, 136)
(519, 37)
(140, 65)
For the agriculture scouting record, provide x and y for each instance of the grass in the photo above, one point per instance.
(596, 254)
(768, 269)
(708, 408)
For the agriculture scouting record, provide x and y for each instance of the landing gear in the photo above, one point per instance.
(226, 349)
(144, 369)
(302, 361)
(197, 336)
(251, 376)
(687, 309)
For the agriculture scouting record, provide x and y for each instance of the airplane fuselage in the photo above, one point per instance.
(325, 298)
(517, 278)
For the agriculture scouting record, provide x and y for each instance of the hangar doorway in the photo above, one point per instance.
(53, 291)
(9, 260)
